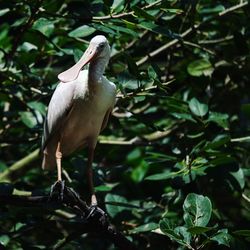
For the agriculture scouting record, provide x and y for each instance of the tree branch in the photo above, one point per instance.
(92, 219)
(121, 15)
(19, 165)
(188, 32)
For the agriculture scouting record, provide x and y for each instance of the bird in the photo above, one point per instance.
(79, 110)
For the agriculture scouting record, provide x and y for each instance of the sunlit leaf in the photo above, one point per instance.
(114, 209)
(4, 11)
(219, 118)
(197, 210)
(28, 119)
(82, 31)
(178, 234)
(200, 67)
(222, 237)
(145, 228)
(161, 176)
(45, 26)
(199, 230)
(198, 108)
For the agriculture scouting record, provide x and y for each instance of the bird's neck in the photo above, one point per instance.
(96, 69)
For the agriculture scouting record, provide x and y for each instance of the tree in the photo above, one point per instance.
(171, 169)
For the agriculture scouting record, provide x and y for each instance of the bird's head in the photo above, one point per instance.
(98, 48)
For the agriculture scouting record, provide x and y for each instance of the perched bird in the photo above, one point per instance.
(79, 110)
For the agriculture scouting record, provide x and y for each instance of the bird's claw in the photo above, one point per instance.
(97, 214)
(57, 189)
(93, 210)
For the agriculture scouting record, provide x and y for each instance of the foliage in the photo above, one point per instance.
(172, 168)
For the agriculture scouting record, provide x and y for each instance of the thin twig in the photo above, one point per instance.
(199, 47)
(246, 198)
(219, 40)
(188, 32)
(241, 139)
(120, 95)
(124, 14)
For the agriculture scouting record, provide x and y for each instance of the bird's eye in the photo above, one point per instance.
(101, 45)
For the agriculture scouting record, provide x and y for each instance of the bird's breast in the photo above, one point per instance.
(85, 119)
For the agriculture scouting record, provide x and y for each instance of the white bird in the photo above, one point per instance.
(79, 109)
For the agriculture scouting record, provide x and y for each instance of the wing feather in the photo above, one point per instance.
(58, 109)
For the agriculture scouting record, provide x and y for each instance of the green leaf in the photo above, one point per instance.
(197, 210)
(4, 240)
(245, 233)
(142, 13)
(82, 31)
(152, 157)
(4, 11)
(218, 141)
(120, 29)
(28, 47)
(179, 234)
(222, 160)
(199, 230)
(183, 232)
(145, 228)
(3, 166)
(184, 116)
(39, 106)
(103, 28)
(222, 237)
(115, 209)
(77, 54)
(238, 178)
(28, 119)
(117, 5)
(200, 67)
(139, 171)
(211, 10)
(105, 188)
(219, 118)
(45, 26)
(133, 68)
(198, 108)
(157, 29)
(161, 176)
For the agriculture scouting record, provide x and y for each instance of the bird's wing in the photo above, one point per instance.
(58, 109)
(112, 92)
(106, 118)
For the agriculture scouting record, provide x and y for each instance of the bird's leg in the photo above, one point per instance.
(58, 162)
(90, 176)
(59, 182)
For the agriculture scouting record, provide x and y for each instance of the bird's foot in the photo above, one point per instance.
(57, 190)
(94, 210)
